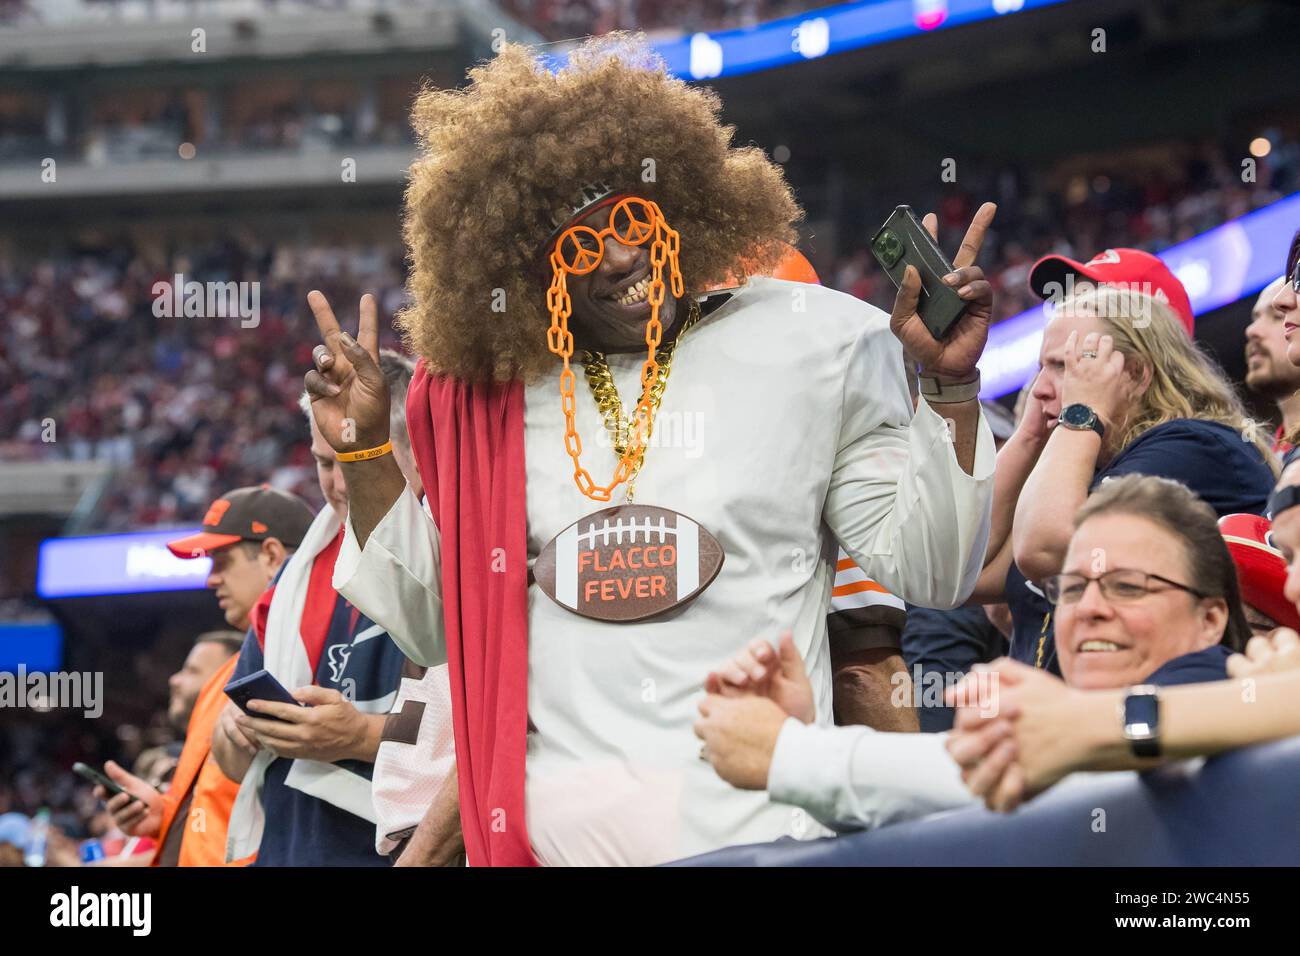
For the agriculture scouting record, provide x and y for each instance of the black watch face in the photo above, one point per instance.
(1080, 416)
(1141, 713)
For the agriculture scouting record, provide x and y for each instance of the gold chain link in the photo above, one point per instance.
(604, 390)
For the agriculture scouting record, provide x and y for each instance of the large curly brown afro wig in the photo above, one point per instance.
(502, 154)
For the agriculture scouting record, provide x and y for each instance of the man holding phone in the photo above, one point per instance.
(140, 810)
(572, 727)
(305, 772)
(248, 533)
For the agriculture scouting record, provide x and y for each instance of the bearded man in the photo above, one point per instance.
(575, 217)
(1269, 372)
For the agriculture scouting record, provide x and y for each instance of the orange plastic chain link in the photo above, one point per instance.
(572, 254)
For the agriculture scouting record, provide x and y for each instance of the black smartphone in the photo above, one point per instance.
(91, 775)
(901, 242)
(259, 685)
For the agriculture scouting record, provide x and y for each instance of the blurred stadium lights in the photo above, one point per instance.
(820, 32)
(135, 563)
(30, 646)
(1217, 267)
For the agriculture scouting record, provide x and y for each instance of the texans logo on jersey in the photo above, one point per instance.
(338, 661)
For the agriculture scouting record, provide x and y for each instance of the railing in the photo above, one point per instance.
(1239, 809)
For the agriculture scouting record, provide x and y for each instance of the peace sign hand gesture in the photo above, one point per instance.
(349, 395)
(954, 356)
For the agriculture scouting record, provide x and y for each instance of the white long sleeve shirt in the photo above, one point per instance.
(786, 426)
(858, 778)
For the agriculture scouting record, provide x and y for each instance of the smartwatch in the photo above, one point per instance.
(1080, 418)
(1142, 720)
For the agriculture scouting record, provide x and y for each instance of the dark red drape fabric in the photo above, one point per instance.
(468, 440)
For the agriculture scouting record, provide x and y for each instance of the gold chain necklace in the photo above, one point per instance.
(603, 389)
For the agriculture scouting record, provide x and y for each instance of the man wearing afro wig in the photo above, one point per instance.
(562, 226)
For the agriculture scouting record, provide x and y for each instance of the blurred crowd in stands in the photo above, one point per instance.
(179, 123)
(1123, 201)
(184, 407)
(187, 407)
(37, 748)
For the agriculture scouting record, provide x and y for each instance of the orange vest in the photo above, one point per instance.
(204, 840)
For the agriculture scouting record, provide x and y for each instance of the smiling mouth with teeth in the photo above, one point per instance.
(635, 293)
(1093, 646)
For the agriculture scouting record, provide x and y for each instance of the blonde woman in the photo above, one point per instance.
(1124, 391)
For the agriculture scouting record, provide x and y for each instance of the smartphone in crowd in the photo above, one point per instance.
(903, 241)
(91, 775)
(259, 685)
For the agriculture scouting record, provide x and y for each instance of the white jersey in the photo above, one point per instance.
(786, 426)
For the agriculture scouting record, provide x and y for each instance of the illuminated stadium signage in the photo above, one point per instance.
(822, 32)
(1217, 267)
(33, 646)
(116, 564)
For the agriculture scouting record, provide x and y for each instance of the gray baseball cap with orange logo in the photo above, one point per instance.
(247, 514)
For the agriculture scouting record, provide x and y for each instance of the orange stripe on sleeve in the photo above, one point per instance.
(856, 587)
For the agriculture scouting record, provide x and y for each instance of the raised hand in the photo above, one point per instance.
(349, 396)
(954, 356)
(1275, 654)
(1095, 376)
(778, 675)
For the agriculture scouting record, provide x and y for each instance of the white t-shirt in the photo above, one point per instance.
(784, 427)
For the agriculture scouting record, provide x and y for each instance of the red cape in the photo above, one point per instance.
(473, 476)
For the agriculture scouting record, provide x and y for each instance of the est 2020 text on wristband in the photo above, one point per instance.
(366, 454)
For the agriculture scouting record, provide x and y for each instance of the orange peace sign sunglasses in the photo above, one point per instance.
(633, 221)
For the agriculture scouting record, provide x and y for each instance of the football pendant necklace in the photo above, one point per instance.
(629, 562)
(604, 390)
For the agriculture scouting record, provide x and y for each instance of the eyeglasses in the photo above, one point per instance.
(632, 222)
(1294, 278)
(1120, 586)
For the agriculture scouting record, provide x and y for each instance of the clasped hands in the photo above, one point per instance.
(749, 700)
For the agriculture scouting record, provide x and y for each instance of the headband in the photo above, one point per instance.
(1281, 500)
(588, 196)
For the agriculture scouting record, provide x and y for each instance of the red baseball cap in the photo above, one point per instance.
(1261, 569)
(247, 514)
(1117, 267)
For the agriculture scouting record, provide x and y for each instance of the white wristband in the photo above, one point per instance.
(937, 393)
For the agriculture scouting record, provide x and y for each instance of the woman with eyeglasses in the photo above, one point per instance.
(1045, 729)
(1148, 596)
(1148, 592)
